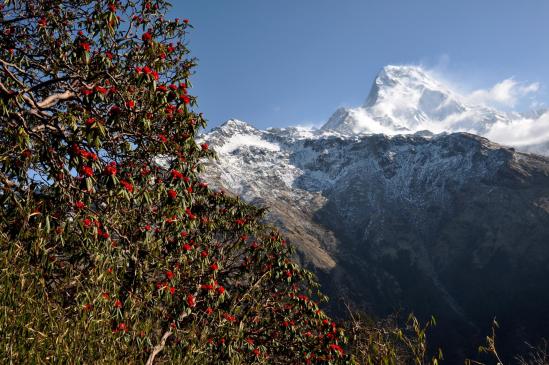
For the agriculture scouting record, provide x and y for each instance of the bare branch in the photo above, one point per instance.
(158, 348)
(54, 99)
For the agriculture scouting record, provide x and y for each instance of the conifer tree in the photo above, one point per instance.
(112, 248)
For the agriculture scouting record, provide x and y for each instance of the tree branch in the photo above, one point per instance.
(54, 99)
(158, 348)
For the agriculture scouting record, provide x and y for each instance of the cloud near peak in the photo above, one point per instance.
(505, 93)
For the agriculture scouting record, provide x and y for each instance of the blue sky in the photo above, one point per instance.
(288, 62)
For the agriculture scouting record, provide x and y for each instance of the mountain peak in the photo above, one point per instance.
(235, 123)
(401, 70)
(405, 80)
(236, 126)
(404, 74)
(407, 99)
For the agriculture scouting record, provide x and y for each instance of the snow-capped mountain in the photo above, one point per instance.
(407, 99)
(449, 224)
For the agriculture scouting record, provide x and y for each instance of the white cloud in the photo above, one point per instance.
(307, 125)
(521, 132)
(505, 93)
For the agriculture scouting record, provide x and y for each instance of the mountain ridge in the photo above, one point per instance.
(449, 224)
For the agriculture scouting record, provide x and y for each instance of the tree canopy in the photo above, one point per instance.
(112, 247)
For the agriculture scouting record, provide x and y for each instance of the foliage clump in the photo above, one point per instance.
(373, 341)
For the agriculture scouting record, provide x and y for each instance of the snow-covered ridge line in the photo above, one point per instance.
(404, 100)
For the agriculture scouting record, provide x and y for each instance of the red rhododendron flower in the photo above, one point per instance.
(220, 290)
(214, 266)
(101, 89)
(130, 104)
(86, 91)
(122, 327)
(176, 174)
(229, 317)
(209, 310)
(169, 275)
(87, 171)
(186, 21)
(337, 348)
(110, 169)
(204, 146)
(105, 295)
(90, 121)
(172, 290)
(79, 205)
(187, 247)
(85, 46)
(117, 303)
(207, 287)
(204, 253)
(191, 301)
(185, 99)
(127, 185)
(146, 37)
(172, 194)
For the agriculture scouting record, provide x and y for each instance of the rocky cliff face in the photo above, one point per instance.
(450, 225)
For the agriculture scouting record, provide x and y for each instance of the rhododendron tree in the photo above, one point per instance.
(112, 248)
